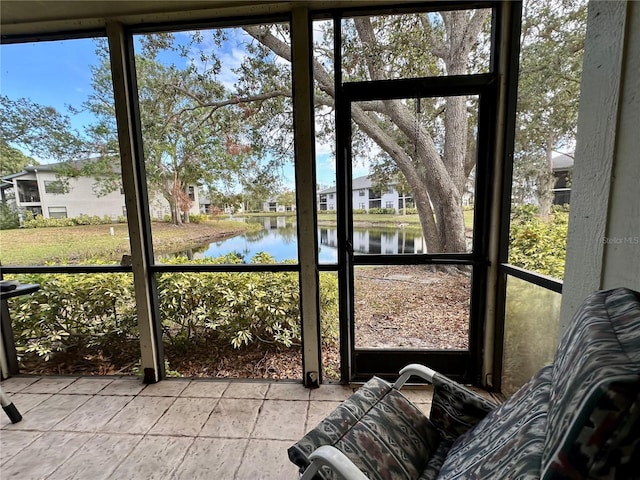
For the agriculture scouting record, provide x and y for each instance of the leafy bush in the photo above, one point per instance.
(359, 210)
(198, 218)
(8, 217)
(381, 211)
(87, 310)
(85, 219)
(77, 311)
(410, 211)
(537, 244)
(40, 222)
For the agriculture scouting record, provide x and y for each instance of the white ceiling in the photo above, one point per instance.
(33, 17)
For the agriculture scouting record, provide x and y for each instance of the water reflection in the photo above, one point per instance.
(278, 238)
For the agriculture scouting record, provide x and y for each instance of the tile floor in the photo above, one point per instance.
(118, 428)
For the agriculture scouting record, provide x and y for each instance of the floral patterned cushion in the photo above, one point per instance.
(508, 443)
(378, 429)
(594, 418)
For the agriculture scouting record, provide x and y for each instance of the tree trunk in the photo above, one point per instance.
(545, 183)
(437, 182)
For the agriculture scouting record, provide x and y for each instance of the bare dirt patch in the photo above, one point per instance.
(412, 306)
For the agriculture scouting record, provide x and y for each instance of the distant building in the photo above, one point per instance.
(366, 197)
(272, 205)
(39, 190)
(206, 207)
(562, 166)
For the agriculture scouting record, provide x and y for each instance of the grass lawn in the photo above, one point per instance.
(389, 220)
(70, 245)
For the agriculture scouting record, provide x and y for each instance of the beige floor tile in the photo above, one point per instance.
(424, 408)
(165, 388)
(87, 385)
(418, 395)
(255, 390)
(204, 388)
(12, 442)
(154, 457)
(48, 413)
(317, 412)
(267, 460)
(43, 455)
(287, 391)
(232, 418)
(49, 385)
(138, 416)
(94, 414)
(123, 386)
(337, 393)
(281, 420)
(186, 416)
(24, 402)
(17, 384)
(97, 458)
(210, 458)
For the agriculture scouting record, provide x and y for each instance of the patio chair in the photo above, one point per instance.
(578, 418)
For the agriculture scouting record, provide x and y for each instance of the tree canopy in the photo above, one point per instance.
(552, 45)
(227, 127)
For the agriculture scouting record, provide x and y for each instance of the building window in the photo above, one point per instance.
(56, 187)
(361, 193)
(57, 212)
(362, 206)
(192, 195)
(28, 191)
(388, 204)
(331, 196)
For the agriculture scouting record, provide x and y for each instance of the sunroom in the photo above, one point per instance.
(451, 104)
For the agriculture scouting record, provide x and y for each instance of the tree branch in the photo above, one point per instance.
(437, 47)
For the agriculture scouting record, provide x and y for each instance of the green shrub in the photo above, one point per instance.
(537, 244)
(77, 311)
(8, 217)
(382, 211)
(40, 222)
(86, 310)
(84, 219)
(359, 210)
(198, 218)
(410, 211)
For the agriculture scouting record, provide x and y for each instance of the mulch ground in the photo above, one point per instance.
(396, 307)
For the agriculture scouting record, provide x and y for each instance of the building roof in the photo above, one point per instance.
(55, 167)
(561, 161)
(358, 184)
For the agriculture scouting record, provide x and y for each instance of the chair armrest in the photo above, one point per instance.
(336, 460)
(414, 369)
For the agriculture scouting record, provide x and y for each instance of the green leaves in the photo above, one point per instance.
(536, 244)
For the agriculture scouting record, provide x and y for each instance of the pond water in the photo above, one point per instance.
(278, 237)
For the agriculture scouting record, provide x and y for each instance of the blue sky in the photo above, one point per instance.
(58, 74)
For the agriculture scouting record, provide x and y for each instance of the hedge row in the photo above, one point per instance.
(88, 310)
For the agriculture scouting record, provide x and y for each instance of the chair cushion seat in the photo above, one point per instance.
(377, 428)
(508, 442)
